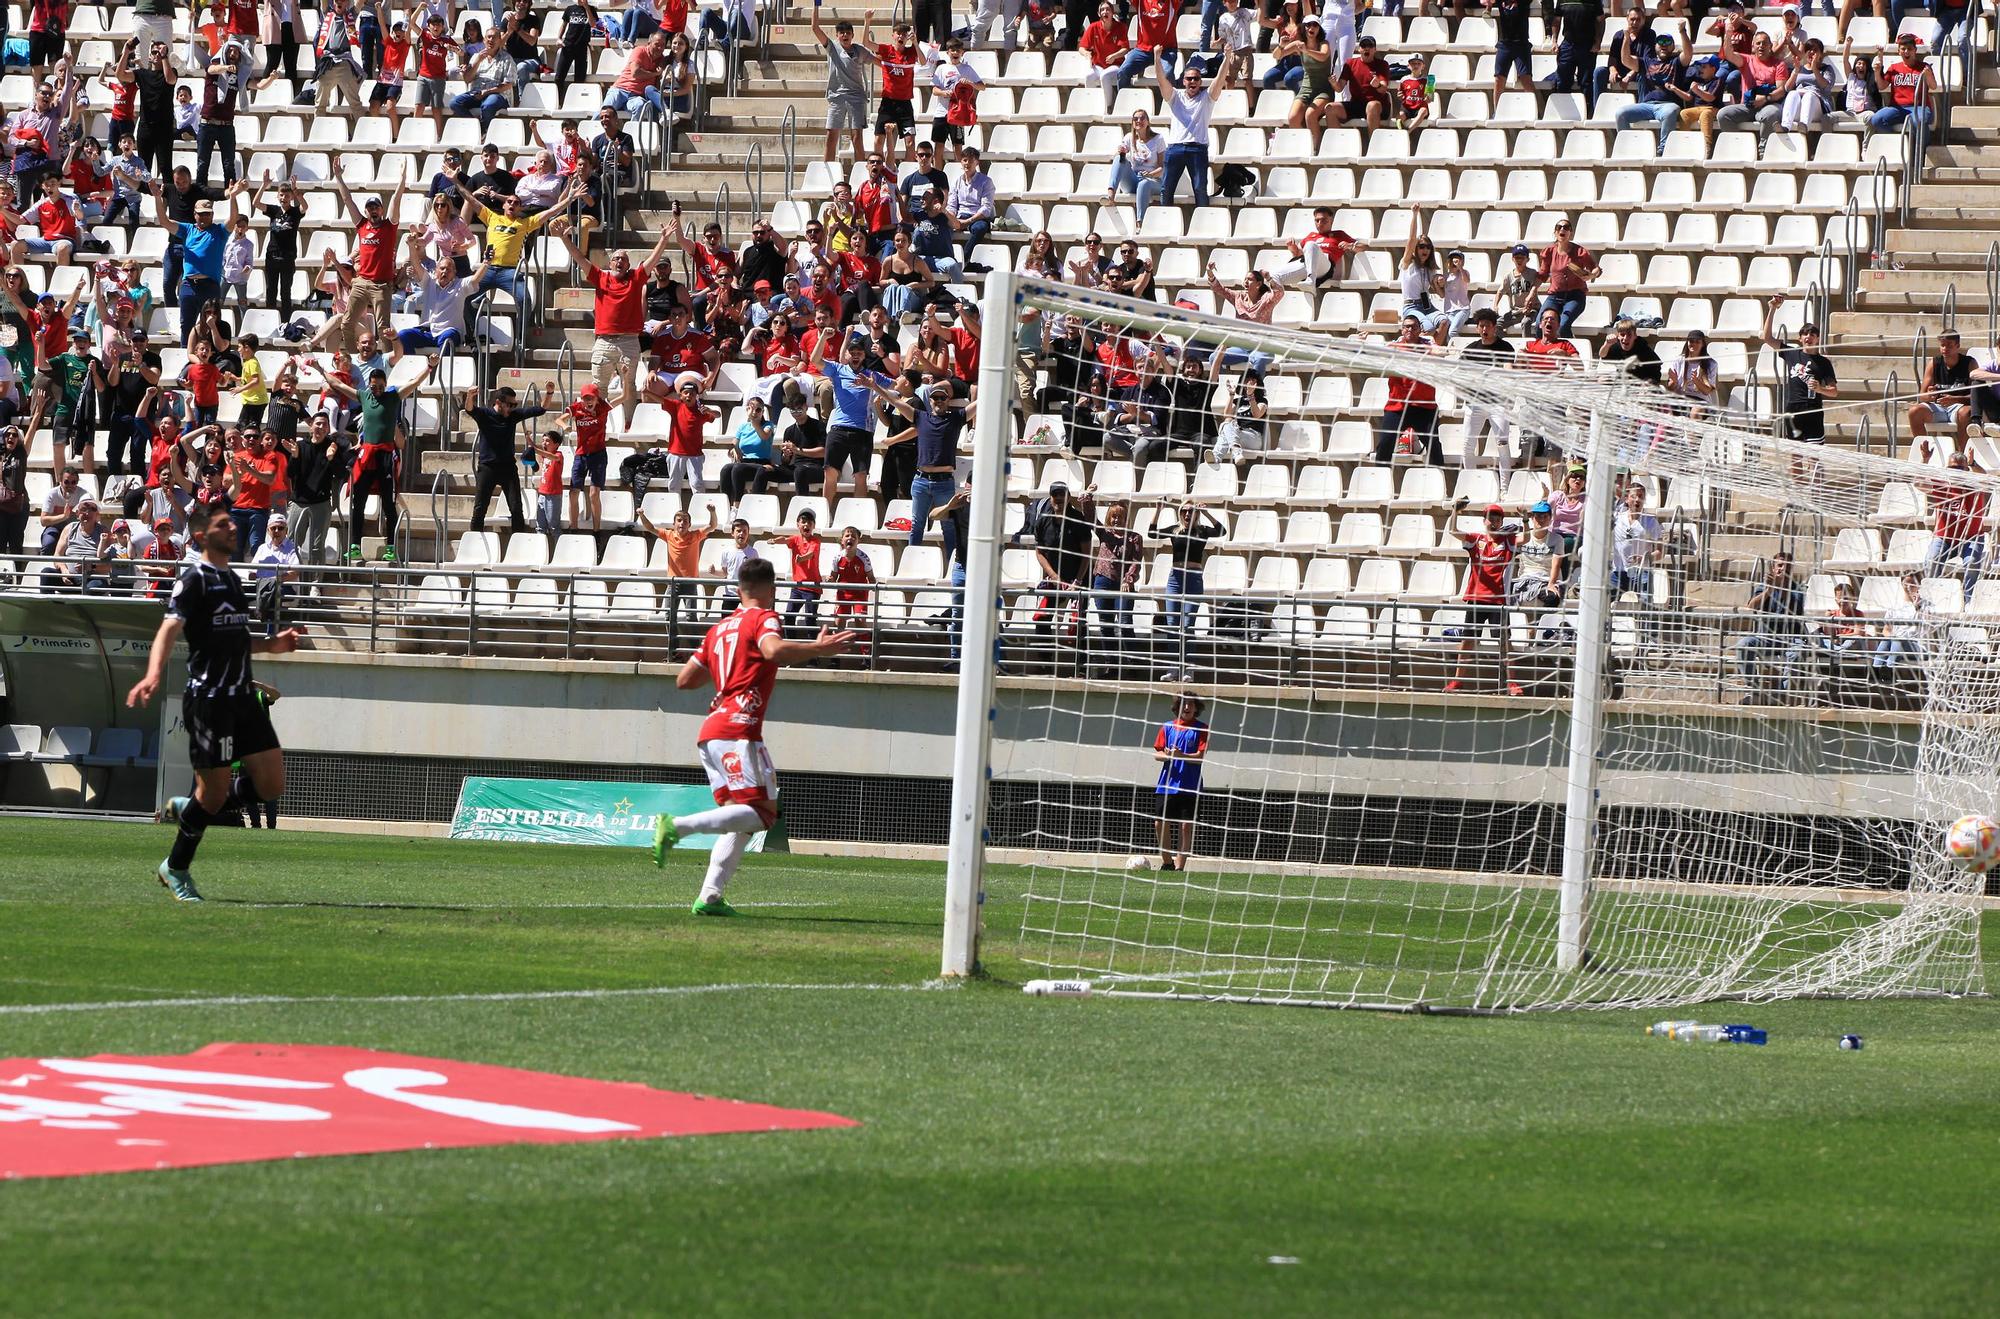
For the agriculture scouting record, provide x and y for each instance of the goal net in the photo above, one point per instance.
(1420, 753)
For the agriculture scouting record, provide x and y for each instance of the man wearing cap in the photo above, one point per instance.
(1516, 292)
(509, 225)
(587, 417)
(203, 244)
(1805, 377)
(1491, 551)
(1365, 81)
(276, 562)
(72, 421)
(1660, 80)
(375, 244)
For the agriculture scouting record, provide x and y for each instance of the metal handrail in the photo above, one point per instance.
(1864, 434)
(440, 506)
(1916, 140)
(566, 366)
(1879, 237)
(753, 183)
(1951, 305)
(1823, 301)
(1992, 294)
(1920, 354)
(1851, 231)
(721, 212)
(788, 136)
(1891, 416)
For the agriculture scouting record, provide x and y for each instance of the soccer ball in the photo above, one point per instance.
(1138, 863)
(1974, 843)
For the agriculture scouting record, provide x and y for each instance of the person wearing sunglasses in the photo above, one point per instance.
(1567, 270)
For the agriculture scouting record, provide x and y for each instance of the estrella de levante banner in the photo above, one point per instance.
(585, 813)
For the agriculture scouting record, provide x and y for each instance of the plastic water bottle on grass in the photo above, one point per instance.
(1665, 1029)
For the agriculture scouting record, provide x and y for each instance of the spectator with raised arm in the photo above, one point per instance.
(1314, 103)
(203, 245)
(1911, 90)
(375, 257)
(1567, 270)
(509, 225)
(846, 82)
(1188, 111)
(1422, 281)
(618, 314)
(1659, 79)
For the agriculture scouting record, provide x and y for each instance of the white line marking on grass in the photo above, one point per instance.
(505, 996)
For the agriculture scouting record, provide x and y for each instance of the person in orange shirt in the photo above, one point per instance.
(683, 551)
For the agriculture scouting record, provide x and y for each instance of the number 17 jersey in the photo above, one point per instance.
(733, 655)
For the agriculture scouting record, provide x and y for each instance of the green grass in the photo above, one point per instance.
(1017, 1156)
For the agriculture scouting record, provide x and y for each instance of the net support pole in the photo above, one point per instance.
(971, 759)
(1586, 706)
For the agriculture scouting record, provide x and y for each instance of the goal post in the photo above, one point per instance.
(1416, 790)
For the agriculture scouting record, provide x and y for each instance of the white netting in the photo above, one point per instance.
(1772, 786)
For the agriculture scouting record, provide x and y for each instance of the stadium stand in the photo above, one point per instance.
(1692, 230)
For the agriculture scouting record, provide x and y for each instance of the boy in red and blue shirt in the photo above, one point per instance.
(1179, 746)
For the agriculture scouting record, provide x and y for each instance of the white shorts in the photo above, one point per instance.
(739, 771)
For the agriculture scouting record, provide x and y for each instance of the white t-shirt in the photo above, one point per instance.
(1635, 539)
(1416, 283)
(1144, 154)
(1237, 31)
(1187, 118)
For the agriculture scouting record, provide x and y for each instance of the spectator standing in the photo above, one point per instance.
(315, 469)
(895, 108)
(1635, 545)
(1409, 417)
(374, 260)
(1313, 99)
(1567, 270)
(1806, 381)
(217, 130)
(618, 315)
(1236, 34)
(1513, 45)
(337, 57)
(802, 606)
(1778, 609)
(1491, 553)
(203, 244)
(1187, 547)
(1188, 111)
(495, 460)
(846, 83)
(1488, 350)
(578, 30)
(1576, 30)
(955, 85)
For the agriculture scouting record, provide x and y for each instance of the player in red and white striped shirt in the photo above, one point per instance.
(741, 655)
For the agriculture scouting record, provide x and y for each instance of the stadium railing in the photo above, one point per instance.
(1353, 642)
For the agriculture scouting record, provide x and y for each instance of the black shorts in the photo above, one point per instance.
(1806, 427)
(44, 48)
(225, 729)
(1483, 618)
(895, 114)
(846, 444)
(1175, 806)
(385, 93)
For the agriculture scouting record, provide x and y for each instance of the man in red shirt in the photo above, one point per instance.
(1412, 405)
(374, 259)
(876, 204)
(1492, 553)
(1547, 351)
(895, 116)
(1156, 22)
(1959, 531)
(1365, 82)
(1321, 256)
(618, 315)
(741, 656)
(57, 219)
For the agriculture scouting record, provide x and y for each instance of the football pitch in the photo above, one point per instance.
(1015, 1156)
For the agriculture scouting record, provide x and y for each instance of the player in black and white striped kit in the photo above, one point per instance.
(225, 720)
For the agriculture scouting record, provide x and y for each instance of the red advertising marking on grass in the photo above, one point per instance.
(241, 1103)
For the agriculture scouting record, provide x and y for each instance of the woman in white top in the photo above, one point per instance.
(1423, 282)
(1141, 158)
(1692, 377)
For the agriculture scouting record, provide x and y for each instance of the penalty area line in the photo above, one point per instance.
(503, 996)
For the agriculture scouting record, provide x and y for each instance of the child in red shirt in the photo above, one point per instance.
(852, 568)
(803, 603)
(203, 382)
(549, 487)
